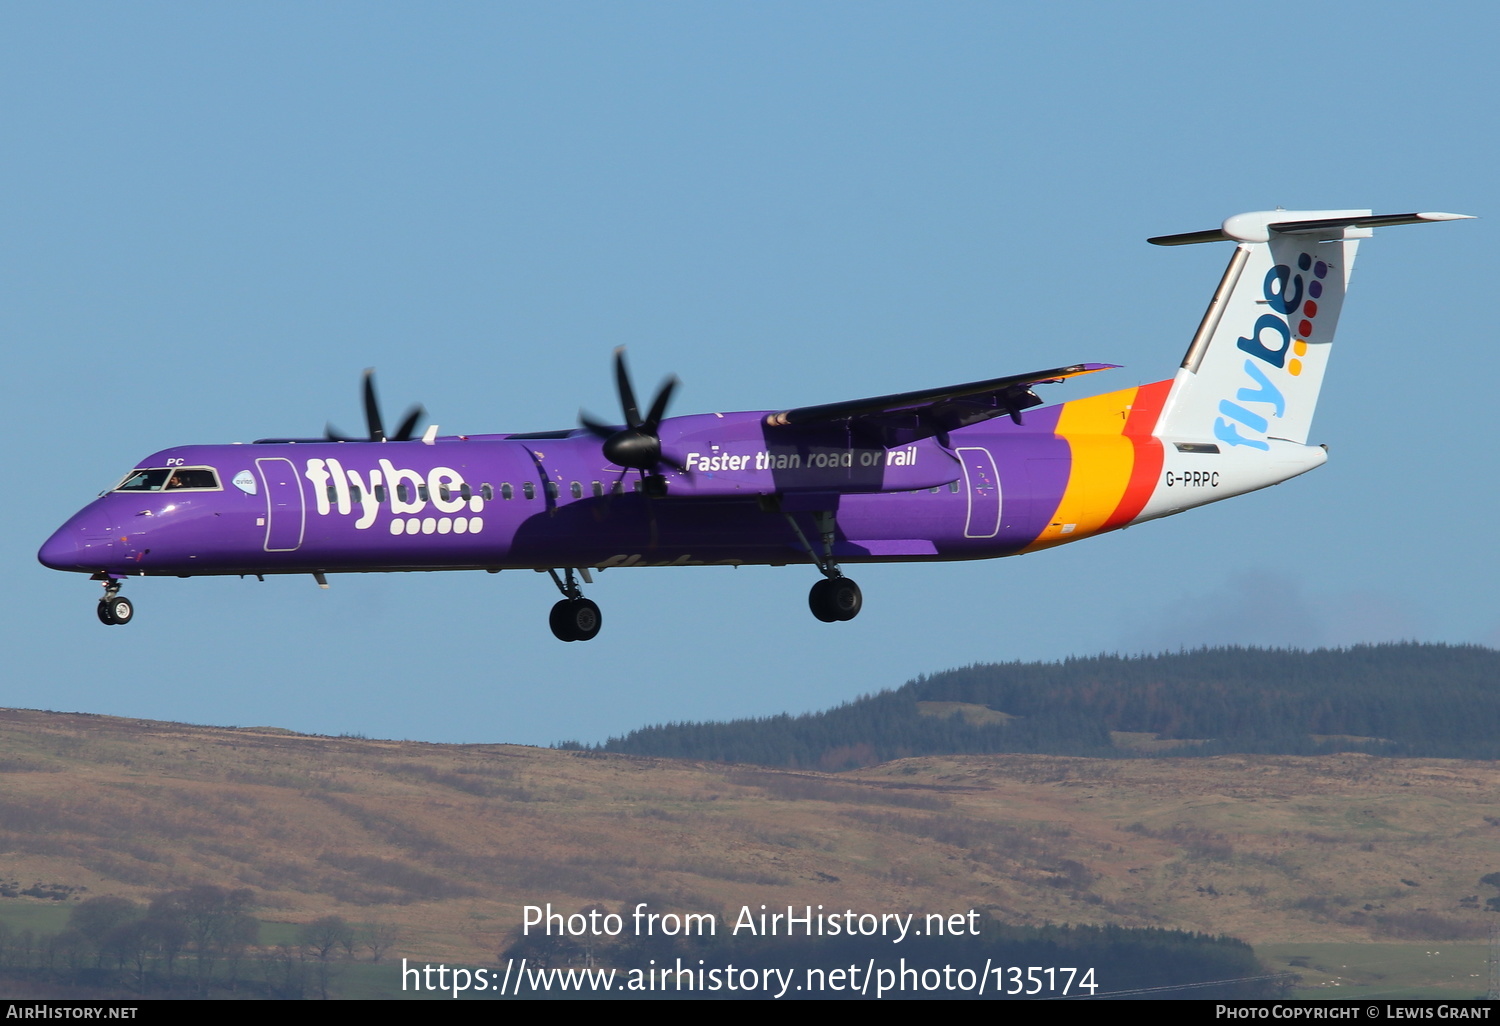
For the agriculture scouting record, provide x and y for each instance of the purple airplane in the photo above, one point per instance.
(944, 473)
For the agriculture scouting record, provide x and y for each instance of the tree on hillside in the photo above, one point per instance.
(97, 922)
(218, 922)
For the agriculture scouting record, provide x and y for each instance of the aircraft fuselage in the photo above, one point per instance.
(501, 502)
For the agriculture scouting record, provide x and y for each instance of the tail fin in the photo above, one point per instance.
(1256, 364)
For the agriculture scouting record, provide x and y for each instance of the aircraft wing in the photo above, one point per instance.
(907, 416)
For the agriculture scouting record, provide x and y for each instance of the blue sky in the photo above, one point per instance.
(215, 215)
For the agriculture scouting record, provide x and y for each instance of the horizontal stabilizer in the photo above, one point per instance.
(1257, 227)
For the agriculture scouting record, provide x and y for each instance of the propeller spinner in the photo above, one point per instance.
(637, 445)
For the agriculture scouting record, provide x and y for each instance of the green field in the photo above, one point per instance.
(1433, 969)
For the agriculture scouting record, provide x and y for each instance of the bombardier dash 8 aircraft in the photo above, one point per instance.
(970, 471)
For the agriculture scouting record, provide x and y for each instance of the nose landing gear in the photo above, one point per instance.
(115, 610)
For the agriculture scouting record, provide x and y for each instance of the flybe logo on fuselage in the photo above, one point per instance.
(1273, 342)
(409, 493)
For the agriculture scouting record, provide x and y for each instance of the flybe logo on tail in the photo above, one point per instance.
(1290, 295)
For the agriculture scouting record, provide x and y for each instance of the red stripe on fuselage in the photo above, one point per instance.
(1139, 428)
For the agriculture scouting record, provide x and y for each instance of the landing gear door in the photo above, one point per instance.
(286, 514)
(983, 489)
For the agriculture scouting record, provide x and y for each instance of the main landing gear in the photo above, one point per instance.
(575, 618)
(115, 609)
(835, 597)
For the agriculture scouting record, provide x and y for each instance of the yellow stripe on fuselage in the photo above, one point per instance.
(1102, 458)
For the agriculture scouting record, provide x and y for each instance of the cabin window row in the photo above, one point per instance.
(528, 490)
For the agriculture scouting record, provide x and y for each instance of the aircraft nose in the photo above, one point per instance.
(74, 547)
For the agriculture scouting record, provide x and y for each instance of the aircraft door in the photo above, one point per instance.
(286, 514)
(983, 488)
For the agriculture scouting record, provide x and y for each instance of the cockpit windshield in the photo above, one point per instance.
(169, 479)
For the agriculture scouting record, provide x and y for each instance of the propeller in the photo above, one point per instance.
(637, 445)
(376, 427)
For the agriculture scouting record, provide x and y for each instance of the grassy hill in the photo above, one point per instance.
(446, 843)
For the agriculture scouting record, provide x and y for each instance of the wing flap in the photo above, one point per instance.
(908, 415)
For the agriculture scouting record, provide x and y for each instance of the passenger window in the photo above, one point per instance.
(953, 486)
(355, 493)
(464, 492)
(445, 493)
(489, 493)
(528, 489)
(551, 489)
(380, 493)
(598, 489)
(576, 489)
(422, 492)
(403, 492)
(506, 491)
(333, 494)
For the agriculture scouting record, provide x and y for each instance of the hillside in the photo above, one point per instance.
(446, 843)
(1410, 700)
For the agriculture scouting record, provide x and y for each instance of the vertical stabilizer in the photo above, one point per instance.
(1256, 364)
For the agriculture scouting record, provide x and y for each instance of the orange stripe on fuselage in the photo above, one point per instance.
(1115, 462)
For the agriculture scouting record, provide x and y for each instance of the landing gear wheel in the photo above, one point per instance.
(585, 619)
(835, 599)
(116, 611)
(817, 601)
(575, 620)
(558, 621)
(845, 599)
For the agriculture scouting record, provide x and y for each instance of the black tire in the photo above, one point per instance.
(120, 609)
(104, 614)
(817, 601)
(561, 621)
(584, 619)
(844, 599)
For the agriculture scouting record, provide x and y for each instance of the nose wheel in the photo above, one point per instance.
(115, 610)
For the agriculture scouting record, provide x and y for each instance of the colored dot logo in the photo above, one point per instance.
(437, 525)
(1309, 310)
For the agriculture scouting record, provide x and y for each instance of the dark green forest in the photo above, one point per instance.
(1411, 700)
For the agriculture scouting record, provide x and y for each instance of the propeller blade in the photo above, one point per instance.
(597, 429)
(372, 408)
(373, 422)
(409, 424)
(659, 404)
(627, 394)
(637, 445)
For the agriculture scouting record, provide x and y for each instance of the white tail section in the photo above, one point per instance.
(1256, 364)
